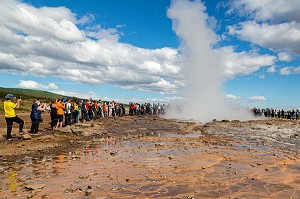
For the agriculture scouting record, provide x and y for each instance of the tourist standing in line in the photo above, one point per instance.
(10, 115)
(83, 111)
(68, 112)
(53, 114)
(36, 116)
(60, 113)
(75, 112)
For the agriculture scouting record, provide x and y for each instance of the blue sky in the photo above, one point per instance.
(129, 50)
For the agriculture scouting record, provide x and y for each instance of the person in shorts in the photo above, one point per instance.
(60, 113)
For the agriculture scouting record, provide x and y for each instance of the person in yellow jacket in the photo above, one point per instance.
(10, 115)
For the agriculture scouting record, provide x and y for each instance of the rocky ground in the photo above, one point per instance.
(152, 157)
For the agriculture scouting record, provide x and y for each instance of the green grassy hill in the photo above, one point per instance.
(28, 95)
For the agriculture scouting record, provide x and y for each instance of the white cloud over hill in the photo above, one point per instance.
(47, 41)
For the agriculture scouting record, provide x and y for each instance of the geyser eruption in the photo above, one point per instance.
(203, 67)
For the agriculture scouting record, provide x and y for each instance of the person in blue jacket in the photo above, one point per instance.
(36, 116)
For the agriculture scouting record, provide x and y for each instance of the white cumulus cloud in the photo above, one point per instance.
(284, 56)
(274, 24)
(35, 85)
(258, 98)
(275, 10)
(243, 63)
(46, 41)
(283, 36)
(289, 70)
(232, 97)
(271, 69)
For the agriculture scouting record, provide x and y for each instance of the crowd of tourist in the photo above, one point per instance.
(64, 112)
(146, 108)
(277, 113)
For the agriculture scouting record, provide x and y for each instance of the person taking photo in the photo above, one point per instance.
(36, 116)
(10, 115)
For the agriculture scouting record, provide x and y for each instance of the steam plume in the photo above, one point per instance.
(203, 67)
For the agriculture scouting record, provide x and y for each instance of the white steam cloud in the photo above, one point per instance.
(203, 66)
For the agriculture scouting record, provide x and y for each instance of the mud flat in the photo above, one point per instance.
(151, 157)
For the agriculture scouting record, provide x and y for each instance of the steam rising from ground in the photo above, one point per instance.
(203, 67)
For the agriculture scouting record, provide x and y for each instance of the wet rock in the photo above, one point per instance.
(75, 157)
(89, 191)
(83, 125)
(64, 130)
(98, 140)
(26, 136)
(235, 121)
(34, 186)
(294, 136)
(131, 131)
(87, 133)
(76, 131)
(225, 121)
(113, 153)
(83, 176)
(117, 188)
(206, 125)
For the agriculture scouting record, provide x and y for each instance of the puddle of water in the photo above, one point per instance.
(156, 166)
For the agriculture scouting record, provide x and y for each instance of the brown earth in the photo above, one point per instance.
(152, 157)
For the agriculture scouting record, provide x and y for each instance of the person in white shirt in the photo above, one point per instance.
(68, 112)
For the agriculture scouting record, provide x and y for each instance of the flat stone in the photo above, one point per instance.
(34, 186)
(88, 192)
(225, 121)
(113, 153)
(76, 131)
(26, 137)
(84, 125)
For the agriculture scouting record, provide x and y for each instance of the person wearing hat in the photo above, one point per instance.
(10, 115)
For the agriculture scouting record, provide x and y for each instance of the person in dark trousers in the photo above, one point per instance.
(53, 114)
(68, 112)
(36, 116)
(84, 115)
(10, 115)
